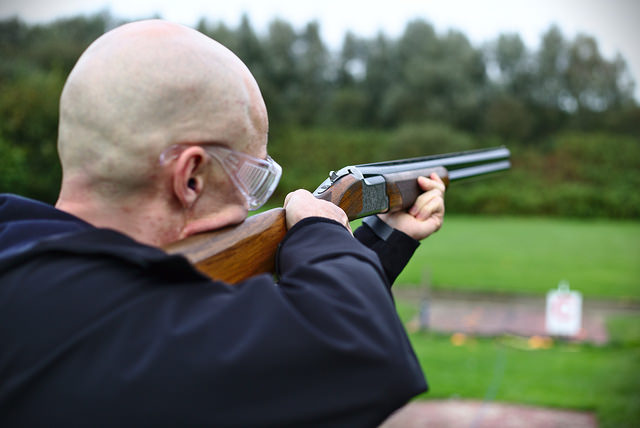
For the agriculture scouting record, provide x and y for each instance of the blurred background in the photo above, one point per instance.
(348, 82)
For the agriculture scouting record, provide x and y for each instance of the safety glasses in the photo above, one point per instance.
(255, 178)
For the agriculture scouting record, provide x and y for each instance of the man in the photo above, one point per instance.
(158, 127)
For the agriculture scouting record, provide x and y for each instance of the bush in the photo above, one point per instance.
(579, 175)
(13, 163)
(427, 139)
(308, 155)
(28, 129)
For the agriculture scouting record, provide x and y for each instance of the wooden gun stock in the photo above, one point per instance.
(238, 252)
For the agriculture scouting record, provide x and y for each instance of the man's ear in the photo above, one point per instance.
(188, 175)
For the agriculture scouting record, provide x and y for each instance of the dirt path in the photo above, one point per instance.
(492, 314)
(478, 414)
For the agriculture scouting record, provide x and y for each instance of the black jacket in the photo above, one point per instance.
(97, 329)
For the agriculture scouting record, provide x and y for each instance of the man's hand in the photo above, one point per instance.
(426, 214)
(302, 204)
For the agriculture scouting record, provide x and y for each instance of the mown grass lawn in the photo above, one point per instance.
(580, 377)
(600, 258)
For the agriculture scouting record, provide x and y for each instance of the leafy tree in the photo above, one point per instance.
(249, 47)
(280, 86)
(553, 60)
(441, 79)
(218, 32)
(593, 82)
(381, 74)
(508, 111)
(313, 70)
(350, 101)
(574, 83)
(509, 57)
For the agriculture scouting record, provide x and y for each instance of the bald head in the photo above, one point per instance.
(143, 87)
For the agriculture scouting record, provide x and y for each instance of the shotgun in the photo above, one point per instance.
(237, 252)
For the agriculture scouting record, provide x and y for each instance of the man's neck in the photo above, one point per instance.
(145, 221)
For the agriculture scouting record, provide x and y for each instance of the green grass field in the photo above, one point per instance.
(523, 255)
(580, 377)
(517, 255)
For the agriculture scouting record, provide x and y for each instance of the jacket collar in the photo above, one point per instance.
(30, 228)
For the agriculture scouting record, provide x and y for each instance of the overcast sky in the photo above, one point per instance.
(614, 23)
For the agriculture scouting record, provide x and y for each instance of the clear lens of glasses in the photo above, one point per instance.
(255, 178)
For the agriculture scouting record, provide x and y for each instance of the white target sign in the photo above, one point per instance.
(564, 311)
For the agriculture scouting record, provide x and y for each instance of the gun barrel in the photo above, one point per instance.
(476, 170)
(469, 163)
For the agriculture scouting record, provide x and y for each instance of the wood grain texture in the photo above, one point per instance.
(236, 252)
(346, 193)
(403, 188)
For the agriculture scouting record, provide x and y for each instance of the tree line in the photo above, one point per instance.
(501, 88)
(377, 98)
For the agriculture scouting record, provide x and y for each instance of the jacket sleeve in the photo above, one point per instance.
(337, 291)
(394, 252)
